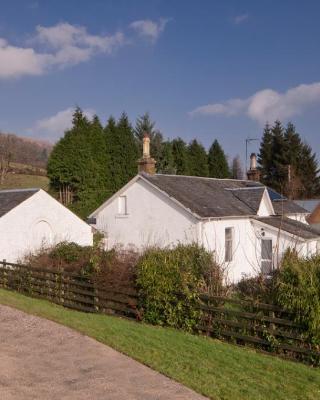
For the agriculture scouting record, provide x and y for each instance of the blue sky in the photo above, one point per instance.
(204, 69)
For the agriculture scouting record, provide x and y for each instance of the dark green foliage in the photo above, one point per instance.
(68, 252)
(287, 164)
(298, 290)
(197, 159)
(257, 288)
(144, 125)
(122, 151)
(170, 281)
(217, 162)
(180, 156)
(78, 165)
(165, 161)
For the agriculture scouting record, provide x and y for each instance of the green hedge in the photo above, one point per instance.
(170, 281)
(298, 290)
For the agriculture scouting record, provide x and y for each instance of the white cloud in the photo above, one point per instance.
(53, 127)
(150, 29)
(58, 46)
(239, 19)
(18, 61)
(267, 105)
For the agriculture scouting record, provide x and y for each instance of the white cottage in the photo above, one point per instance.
(245, 224)
(31, 218)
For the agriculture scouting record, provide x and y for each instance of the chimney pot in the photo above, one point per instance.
(253, 173)
(253, 161)
(146, 163)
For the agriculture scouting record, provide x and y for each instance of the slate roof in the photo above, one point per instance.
(9, 199)
(210, 197)
(310, 205)
(291, 226)
(287, 207)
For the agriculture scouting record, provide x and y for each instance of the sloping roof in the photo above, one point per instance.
(9, 199)
(250, 196)
(285, 206)
(291, 226)
(310, 205)
(209, 197)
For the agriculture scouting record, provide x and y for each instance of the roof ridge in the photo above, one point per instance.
(200, 177)
(19, 190)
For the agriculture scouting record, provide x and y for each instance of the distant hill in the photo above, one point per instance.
(24, 150)
(23, 162)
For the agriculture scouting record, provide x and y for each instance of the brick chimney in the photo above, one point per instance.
(253, 173)
(146, 163)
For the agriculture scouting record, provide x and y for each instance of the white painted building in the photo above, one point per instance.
(246, 225)
(31, 218)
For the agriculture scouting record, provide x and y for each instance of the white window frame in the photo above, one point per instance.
(228, 244)
(122, 205)
(264, 261)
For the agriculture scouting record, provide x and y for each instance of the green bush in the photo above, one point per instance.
(170, 281)
(69, 252)
(298, 290)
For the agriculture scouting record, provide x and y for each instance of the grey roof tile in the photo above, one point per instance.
(210, 197)
(291, 226)
(9, 199)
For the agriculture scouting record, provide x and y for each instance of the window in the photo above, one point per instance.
(266, 256)
(122, 205)
(228, 244)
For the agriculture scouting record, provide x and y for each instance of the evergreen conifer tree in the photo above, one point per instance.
(217, 162)
(197, 159)
(77, 166)
(180, 156)
(287, 164)
(165, 163)
(122, 151)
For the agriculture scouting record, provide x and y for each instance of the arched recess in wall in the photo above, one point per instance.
(42, 234)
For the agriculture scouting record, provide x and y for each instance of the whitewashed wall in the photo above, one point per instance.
(39, 220)
(152, 219)
(247, 245)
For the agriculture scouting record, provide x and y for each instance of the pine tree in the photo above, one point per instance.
(265, 155)
(77, 166)
(122, 151)
(288, 165)
(165, 163)
(180, 156)
(217, 162)
(144, 125)
(197, 159)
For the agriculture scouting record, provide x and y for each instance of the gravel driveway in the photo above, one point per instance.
(40, 359)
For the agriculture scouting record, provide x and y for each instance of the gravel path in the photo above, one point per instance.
(40, 359)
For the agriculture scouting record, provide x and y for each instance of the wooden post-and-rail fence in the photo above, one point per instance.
(266, 326)
(68, 289)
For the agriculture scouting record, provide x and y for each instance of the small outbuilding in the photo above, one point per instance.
(31, 219)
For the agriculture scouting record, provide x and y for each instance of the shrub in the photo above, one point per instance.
(170, 281)
(298, 290)
(258, 288)
(113, 268)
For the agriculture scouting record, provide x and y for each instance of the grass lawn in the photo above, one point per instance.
(213, 368)
(22, 181)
